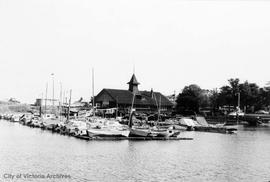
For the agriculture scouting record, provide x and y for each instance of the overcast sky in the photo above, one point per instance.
(171, 43)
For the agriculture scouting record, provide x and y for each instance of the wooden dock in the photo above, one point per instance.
(133, 138)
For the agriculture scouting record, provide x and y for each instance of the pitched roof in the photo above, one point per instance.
(133, 80)
(125, 97)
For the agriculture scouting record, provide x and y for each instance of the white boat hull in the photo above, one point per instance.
(100, 132)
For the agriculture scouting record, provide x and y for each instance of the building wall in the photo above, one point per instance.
(105, 100)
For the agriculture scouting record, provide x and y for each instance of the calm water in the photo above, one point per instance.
(209, 157)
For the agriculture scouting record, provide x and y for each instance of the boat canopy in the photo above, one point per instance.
(201, 120)
(188, 122)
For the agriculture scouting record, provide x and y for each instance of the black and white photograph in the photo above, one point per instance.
(134, 90)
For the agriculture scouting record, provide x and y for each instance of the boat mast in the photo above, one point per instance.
(64, 103)
(93, 94)
(116, 110)
(155, 99)
(69, 105)
(40, 109)
(60, 102)
(131, 110)
(159, 108)
(46, 94)
(53, 90)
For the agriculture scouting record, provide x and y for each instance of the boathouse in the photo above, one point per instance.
(144, 101)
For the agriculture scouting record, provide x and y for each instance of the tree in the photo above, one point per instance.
(263, 100)
(213, 100)
(234, 87)
(228, 93)
(249, 95)
(189, 99)
(252, 97)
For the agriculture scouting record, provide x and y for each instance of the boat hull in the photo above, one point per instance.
(108, 133)
(139, 133)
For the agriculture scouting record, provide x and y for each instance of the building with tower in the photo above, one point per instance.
(144, 101)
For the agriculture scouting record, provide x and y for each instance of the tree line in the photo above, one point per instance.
(252, 97)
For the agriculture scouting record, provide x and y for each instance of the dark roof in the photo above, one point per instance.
(125, 97)
(133, 80)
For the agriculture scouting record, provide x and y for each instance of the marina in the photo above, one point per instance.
(79, 129)
(208, 157)
(134, 91)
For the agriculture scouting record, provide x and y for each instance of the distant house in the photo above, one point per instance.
(81, 104)
(144, 101)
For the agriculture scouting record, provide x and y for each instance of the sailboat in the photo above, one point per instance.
(113, 129)
(135, 132)
(153, 132)
(156, 131)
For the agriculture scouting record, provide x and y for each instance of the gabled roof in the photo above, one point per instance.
(157, 98)
(126, 97)
(133, 80)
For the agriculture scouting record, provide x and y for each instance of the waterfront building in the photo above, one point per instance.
(144, 101)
